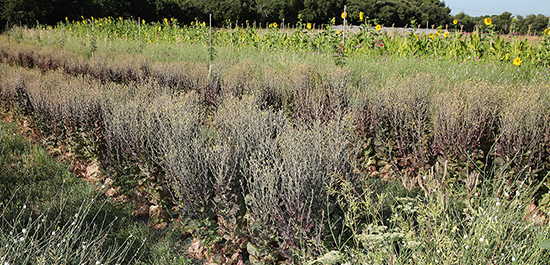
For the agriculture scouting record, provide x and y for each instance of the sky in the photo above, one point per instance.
(477, 8)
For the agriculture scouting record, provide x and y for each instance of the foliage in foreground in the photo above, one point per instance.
(47, 216)
(287, 158)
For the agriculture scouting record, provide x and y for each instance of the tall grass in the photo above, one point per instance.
(47, 216)
(285, 156)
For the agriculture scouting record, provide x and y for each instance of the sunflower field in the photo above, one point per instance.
(368, 39)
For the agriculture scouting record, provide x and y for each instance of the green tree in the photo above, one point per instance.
(397, 12)
(434, 12)
(532, 24)
(222, 10)
(502, 22)
(276, 10)
(319, 11)
(368, 7)
(465, 21)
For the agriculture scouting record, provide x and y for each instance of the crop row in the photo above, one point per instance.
(262, 154)
(484, 44)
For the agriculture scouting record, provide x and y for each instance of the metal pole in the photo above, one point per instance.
(62, 35)
(93, 38)
(210, 52)
(38, 32)
(344, 29)
(210, 35)
(344, 36)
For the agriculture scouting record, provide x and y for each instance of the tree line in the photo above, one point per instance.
(398, 13)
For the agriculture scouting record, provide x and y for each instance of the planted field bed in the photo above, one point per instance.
(266, 155)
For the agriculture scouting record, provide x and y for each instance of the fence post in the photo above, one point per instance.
(210, 50)
(344, 36)
(38, 33)
(139, 33)
(62, 35)
(94, 47)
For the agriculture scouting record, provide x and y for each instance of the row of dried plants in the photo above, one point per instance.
(262, 156)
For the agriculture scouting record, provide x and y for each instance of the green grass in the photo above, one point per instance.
(47, 216)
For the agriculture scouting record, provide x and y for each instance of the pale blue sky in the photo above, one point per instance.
(476, 8)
